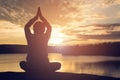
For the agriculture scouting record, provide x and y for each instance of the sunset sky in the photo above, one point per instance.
(74, 22)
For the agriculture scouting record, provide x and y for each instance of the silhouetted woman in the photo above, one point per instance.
(37, 58)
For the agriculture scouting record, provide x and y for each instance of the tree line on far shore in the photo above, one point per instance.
(102, 49)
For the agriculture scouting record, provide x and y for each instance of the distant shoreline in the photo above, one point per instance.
(103, 49)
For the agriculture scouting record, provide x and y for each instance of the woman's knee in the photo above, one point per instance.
(55, 65)
(23, 65)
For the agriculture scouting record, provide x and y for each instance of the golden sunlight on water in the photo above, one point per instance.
(66, 64)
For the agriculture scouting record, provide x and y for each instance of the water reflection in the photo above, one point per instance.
(108, 66)
(100, 65)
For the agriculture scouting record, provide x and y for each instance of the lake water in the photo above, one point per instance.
(74, 64)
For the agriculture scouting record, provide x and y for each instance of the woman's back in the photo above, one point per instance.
(37, 47)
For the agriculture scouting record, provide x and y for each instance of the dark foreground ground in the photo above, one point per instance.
(55, 76)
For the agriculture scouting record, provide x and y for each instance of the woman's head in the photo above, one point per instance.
(39, 28)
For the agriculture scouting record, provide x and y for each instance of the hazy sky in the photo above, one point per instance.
(73, 21)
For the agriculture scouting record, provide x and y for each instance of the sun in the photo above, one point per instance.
(57, 37)
(56, 41)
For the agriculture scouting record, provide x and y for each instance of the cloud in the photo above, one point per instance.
(107, 25)
(86, 12)
(110, 36)
(90, 29)
(11, 33)
(77, 19)
(94, 31)
(20, 11)
(62, 12)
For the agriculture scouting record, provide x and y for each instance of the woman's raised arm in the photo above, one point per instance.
(28, 25)
(46, 23)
